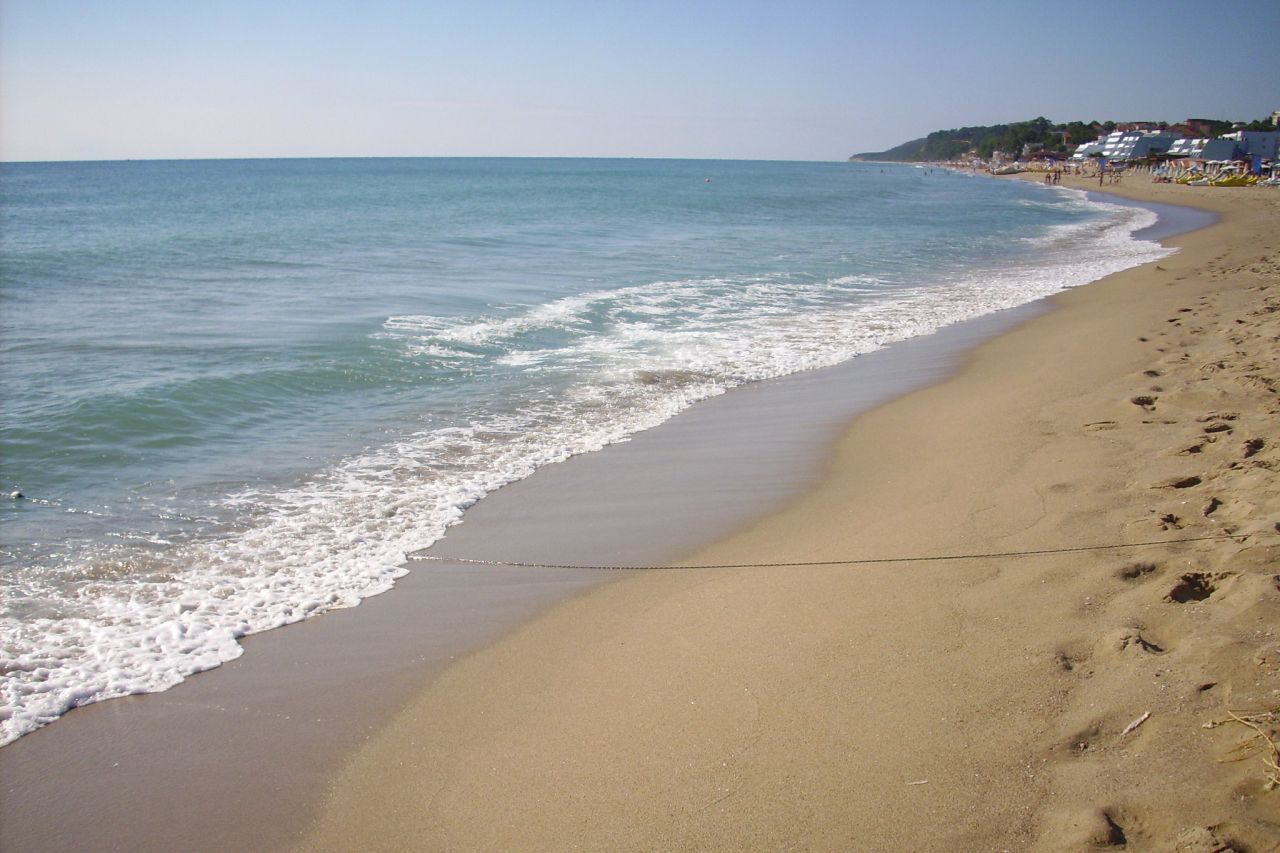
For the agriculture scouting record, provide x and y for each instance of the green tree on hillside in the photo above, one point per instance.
(1038, 134)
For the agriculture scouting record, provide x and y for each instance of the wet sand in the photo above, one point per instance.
(1052, 701)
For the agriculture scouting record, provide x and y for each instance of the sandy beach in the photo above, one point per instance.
(1063, 700)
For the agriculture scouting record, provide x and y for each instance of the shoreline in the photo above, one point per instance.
(282, 682)
(722, 709)
(283, 710)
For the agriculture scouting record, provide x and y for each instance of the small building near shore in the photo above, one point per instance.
(1188, 147)
(1243, 145)
(1219, 149)
(1126, 145)
(1257, 143)
(1199, 126)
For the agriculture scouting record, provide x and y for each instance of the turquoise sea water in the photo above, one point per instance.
(238, 393)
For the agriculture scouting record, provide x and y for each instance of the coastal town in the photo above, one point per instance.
(1195, 151)
(1180, 154)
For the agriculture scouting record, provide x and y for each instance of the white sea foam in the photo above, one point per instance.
(629, 359)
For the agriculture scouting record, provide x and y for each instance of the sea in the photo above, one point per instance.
(237, 394)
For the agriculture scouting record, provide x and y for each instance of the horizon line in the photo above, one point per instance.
(165, 159)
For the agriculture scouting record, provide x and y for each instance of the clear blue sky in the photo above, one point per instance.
(113, 79)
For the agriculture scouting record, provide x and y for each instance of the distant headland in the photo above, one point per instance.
(1042, 135)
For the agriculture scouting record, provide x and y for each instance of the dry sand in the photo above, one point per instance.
(980, 704)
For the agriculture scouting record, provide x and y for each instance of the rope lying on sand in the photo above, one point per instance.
(1235, 537)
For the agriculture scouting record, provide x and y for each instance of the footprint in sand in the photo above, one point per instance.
(1069, 660)
(1134, 571)
(1203, 839)
(1127, 640)
(1085, 829)
(1083, 740)
(1193, 586)
(1185, 483)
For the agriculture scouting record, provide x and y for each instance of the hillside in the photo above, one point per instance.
(1037, 134)
(949, 144)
